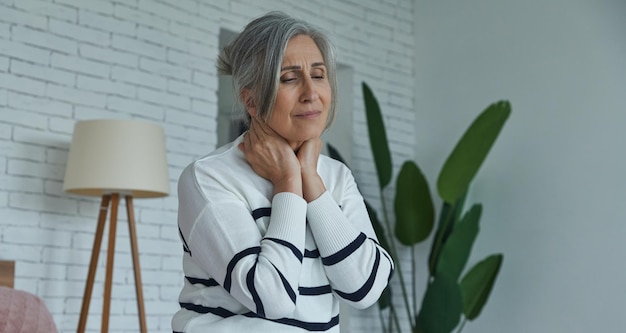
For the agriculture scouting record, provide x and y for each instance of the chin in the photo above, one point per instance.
(308, 136)
(303, 133)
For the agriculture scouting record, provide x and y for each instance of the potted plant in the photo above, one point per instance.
(452, 295)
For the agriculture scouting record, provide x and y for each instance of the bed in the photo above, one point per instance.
(21, 311)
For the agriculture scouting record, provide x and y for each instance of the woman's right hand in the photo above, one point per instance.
(271, 157)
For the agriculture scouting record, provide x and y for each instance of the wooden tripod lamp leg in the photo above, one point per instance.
(113, 200)
(108, 281)
(95, 251)
(135, 253)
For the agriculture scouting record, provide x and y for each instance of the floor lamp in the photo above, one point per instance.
(113, 159)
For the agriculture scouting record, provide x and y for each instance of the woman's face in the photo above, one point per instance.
(304, 94)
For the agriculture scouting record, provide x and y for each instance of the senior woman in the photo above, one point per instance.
(275, 234)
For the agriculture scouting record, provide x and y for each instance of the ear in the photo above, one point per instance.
(248, 102)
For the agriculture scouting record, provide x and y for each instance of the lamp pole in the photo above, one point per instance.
(113, 200)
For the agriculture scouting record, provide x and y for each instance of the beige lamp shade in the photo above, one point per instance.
(117, 156)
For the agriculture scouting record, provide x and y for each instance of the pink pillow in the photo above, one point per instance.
(22, 312)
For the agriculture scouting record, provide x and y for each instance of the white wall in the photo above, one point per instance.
(68, 60)
(553, 186)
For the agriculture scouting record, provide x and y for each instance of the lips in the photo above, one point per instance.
(309, 114)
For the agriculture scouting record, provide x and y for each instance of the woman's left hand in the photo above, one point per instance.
(308, 155)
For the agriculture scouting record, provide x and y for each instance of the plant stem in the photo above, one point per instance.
(382, 321)
(414, 280)
(394, 254)
(395, 320)
(392, 313)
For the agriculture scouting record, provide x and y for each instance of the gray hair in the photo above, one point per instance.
(255, 57)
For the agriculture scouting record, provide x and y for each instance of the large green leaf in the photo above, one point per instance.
(441, 306)
(384, 301)
(448, 217)
(413, 205)
(458, 246)
(378, 228)
(477, 284)
(471, 150)
(378, 137)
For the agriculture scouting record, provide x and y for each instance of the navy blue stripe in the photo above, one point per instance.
(314, 291)
(312, 327)
(219, 311)
(373, 240)
(312, 253)
(255, 295)
(286, 285)
(204, 282)
(234, 261)
(185, 246)
(261, 212)
(390, 265)
(367, 286)
(290, 246)
(345, 252)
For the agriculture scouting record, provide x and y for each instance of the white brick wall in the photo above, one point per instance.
(68, 60)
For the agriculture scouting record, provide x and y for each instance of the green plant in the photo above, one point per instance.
(450, 298)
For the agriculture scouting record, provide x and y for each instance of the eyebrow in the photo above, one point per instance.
(315, 64)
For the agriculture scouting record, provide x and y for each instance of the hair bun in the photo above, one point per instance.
(224, 65)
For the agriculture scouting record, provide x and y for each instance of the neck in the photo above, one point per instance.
(295, 145)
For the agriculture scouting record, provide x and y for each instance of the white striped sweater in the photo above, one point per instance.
(254, 261)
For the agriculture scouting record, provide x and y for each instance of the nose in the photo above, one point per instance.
(309, 93)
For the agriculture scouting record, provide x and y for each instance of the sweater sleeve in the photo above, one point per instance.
(259, 271)
(358, 268)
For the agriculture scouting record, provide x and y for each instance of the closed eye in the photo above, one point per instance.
(318, 74)
(288, 77)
